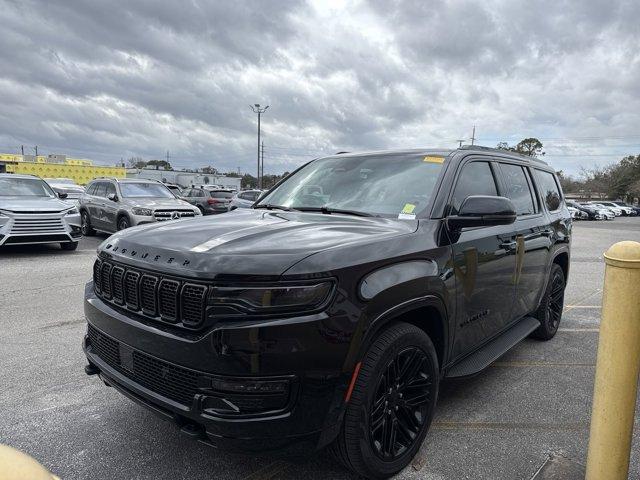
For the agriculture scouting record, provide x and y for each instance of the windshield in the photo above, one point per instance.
(386, 185)
(145, 190)
(24, 187)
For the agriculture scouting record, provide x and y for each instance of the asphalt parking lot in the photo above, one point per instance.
(502, 424)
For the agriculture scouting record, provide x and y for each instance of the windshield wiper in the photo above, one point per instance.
(271, 206)
(329, 210)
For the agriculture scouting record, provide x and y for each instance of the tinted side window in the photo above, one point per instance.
(476, 178)
(199, 193)
(253, 196)
(110, 189)
(101, 190)
(91, 189)
(518, 190)
(549, 189)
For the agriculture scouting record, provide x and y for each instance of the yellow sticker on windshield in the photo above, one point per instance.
(429, 159)
(408, 208)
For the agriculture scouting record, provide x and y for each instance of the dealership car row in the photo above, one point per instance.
(57, 210)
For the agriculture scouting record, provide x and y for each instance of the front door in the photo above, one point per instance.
(483, 264)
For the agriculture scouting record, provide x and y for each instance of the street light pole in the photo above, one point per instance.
(259, 110)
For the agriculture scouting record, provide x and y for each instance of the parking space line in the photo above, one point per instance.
(578, 330)
(583, 306)
(540, 364)
(576, 304)
(453, 425)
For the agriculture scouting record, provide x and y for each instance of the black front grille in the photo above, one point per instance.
(152, 295)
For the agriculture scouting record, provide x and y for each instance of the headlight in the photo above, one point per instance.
(73, 211)
(143, 212)
(270, 299)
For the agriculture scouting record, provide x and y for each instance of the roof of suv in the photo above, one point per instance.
(126, 180)
(445, 152)
(18, 175)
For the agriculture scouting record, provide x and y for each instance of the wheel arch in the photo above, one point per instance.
(562, 258)
(427, 313)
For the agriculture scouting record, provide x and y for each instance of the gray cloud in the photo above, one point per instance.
(136, 78)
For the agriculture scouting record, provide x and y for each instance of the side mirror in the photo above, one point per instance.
(113, 197)
(483, 211)
(63, 195)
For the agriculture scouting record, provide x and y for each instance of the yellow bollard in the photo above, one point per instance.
(617, 367)
(15, 465)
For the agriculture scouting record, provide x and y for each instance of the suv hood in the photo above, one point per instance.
(33, 204)
(245, 241)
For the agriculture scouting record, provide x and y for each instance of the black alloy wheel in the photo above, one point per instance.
(550, 310)
(392, 403)
(400, 406)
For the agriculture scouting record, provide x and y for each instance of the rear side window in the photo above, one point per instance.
(101, 190)
(549, 189)
(517, 188)
(110, 189)
(476, 178)
(91, 189)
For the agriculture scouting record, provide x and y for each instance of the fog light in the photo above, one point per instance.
(244, 385)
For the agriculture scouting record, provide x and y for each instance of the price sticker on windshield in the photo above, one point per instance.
(407, 212)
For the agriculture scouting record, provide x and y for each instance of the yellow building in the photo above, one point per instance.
(54, 166)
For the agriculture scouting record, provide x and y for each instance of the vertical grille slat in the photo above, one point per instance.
(152, 295)
(132, 299)
(148, 294)
(117, 275)
(168, 299)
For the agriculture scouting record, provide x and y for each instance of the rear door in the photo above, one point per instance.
(110, 208)
(530, 239)
(97, 205)
(482, 265)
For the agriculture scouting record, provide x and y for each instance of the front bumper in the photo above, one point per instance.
(308, 418)
(35, 228)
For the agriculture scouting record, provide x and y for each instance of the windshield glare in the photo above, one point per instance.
(385, 185)
(24, 187)
(145, 190)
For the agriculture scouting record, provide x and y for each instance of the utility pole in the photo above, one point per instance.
(262, 163)
(473, 136)
(460, 142)
(22, 149)
(36, 149)
(259, 110)
(167, 157)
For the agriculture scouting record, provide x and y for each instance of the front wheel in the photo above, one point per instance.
(550, 310)
(392, 403)
(85, 225)
(123, 223)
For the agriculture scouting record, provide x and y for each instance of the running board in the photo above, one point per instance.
(482, 358)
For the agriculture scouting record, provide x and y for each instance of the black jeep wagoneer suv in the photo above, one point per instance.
(329, 312)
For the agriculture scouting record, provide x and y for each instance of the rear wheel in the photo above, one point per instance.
(69, 246)
(85, 225)
(550, 310)
(392, 403)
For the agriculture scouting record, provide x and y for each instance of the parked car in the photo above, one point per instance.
(615, 211)
(601, 212)
(244, 199)
(209, 200)
(66, 186)
(330, 317)
(589, 211)
(111, 204)
(635, 208)
(578, 214)
(624, 209)
(31, 212)
(175, 189)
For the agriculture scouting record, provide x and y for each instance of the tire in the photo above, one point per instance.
(360, 446)
(123, 223)
(69, 246)
(549, 312)
(85, 225)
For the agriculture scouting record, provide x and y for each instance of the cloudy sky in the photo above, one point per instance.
(115, 79)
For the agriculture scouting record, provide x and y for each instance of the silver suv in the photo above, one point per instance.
(110, 204)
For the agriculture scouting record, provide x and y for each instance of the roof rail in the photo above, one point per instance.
(506, 152)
